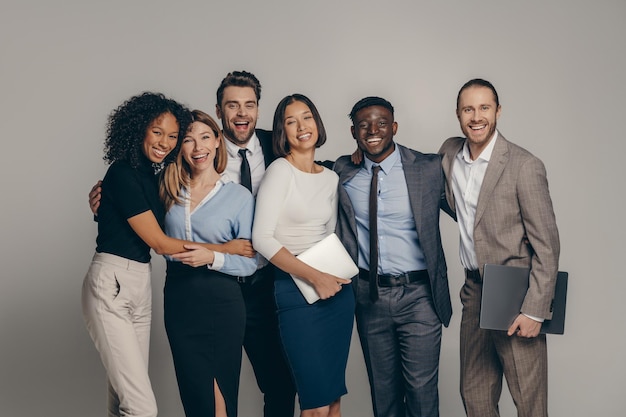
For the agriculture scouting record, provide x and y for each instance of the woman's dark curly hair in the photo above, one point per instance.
(127, 126)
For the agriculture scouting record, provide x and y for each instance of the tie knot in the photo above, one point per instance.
(375, 169)
(242, 153)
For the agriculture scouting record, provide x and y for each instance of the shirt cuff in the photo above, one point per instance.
(540, 320)
(218, 261)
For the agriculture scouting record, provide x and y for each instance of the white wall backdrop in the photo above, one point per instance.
(558, 65)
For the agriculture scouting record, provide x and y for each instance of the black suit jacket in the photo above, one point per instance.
(265, 137)
(426, 187)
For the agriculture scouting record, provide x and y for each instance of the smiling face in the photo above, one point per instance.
(161, 137)
(199, 147)
(300, 127)
(373, 129)
(478, 114)
(239, 112)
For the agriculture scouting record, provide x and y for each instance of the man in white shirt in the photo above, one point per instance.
(237, 107)
(499, 194)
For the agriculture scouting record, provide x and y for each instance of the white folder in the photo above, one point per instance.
(329, 256)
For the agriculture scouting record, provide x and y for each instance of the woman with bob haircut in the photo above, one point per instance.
(296, 208)
(141, 138)
(205, 315)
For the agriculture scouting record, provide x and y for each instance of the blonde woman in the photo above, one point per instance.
(204, 307)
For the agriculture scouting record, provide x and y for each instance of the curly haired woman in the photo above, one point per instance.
(142, 137)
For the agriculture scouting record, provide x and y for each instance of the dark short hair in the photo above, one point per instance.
(477, 82)
(127, 126)
(279, 141)
(368, 102)
(239, 79)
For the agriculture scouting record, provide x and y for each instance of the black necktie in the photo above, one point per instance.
(373, 208)
(246, 178)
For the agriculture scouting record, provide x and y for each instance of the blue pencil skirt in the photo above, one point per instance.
(316, 339)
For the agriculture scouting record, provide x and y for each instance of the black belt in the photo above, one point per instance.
(260, 275)
(178, 268)
(175, 268)
(473, 275)
(388, 280)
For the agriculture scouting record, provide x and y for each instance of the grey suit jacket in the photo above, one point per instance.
(515, 223)
(425, 183)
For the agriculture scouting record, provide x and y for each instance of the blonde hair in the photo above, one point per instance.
(178, 174)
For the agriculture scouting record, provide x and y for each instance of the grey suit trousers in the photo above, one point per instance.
(401, 340)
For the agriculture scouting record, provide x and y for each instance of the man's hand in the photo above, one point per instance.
(94, 197)
(524, 326)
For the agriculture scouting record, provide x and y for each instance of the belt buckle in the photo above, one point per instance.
(383, 281)
(241, 280)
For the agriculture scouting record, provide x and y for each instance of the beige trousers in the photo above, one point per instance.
(488, 355)
(117, 309)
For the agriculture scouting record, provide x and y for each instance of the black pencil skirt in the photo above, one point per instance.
(205, 320)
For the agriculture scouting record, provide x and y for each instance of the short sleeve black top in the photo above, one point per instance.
(127, 192)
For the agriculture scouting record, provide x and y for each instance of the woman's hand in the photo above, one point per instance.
(356, 157)
(94, 197)
(328, 285)
(195, 256)
(241, 247)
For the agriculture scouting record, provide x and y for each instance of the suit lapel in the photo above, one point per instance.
(447, 163)
(414, 183)
(265, 139)
(347, 173)
(497, 163)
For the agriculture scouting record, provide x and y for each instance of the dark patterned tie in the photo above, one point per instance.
(246, 178)
(373, 209)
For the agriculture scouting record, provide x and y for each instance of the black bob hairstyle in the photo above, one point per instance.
(280, 142)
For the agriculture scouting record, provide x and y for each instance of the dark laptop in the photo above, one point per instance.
(504, 289)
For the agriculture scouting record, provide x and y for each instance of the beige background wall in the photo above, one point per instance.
(558, 66)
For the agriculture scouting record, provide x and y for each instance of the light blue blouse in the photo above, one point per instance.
(226, 213)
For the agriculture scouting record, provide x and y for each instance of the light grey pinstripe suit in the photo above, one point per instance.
(515, 225)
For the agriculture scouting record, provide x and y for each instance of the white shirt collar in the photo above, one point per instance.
(387, 163)
(485, 155)
(253, 146)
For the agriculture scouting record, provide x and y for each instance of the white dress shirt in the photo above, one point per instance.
(467, 178)
(255, 159)
(257, 169)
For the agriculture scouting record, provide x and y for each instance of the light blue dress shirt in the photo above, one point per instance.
(399, 249)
